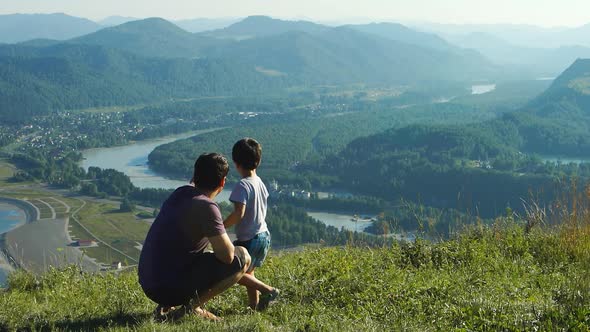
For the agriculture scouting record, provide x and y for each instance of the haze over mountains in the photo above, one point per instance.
(22, 27)
(527, 49)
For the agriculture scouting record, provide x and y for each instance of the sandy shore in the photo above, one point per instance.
(44, 243)
(40, 244)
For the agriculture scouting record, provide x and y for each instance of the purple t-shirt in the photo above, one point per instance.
(185, 222)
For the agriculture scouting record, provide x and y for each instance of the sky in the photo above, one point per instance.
(545, 13)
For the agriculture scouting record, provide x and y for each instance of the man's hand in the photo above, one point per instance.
(223, 248)
(236, 216)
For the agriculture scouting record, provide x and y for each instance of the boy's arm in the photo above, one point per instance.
(236, 216)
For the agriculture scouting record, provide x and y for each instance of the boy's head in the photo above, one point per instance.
(247, 153)
(210, 171)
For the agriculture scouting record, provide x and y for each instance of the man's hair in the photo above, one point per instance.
(210, 169)
(247, 153)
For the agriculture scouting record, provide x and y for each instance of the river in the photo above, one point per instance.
(481, 89)
(565, 160)
(10, 218)
(132, 160)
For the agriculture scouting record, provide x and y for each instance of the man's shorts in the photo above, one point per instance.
(257, 247)
(204, 272)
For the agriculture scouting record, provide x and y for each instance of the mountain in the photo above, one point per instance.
(568, 98)
(152, 37)
(205, 24)
(538, 61)
(36, 80)
(16, 28)
(527, 36)
(116, 20)
(305, 52)
(263, 26)
(404, 34)
(344, 55)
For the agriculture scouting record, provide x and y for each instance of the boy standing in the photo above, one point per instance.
(249, 197)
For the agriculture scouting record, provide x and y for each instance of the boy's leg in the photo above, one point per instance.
(252, 293)
(250, 281)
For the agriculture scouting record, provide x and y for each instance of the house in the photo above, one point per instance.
(86, 243)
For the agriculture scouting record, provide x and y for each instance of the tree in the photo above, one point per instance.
(127, 205)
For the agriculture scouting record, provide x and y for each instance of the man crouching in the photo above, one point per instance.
(174, 271)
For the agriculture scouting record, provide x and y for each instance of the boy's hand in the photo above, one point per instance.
(236, 216)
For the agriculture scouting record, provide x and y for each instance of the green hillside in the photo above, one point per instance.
(480, 168)
(484, 280)
(558, 121)
(35, 81)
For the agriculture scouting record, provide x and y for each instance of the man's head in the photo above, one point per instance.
(247, 153)
(210, 171)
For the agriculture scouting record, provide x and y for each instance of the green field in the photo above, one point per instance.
(122, 231)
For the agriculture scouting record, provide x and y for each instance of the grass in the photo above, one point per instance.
(497, 278)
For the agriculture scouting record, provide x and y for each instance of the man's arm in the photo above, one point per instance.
(222, 248)
(236, 216)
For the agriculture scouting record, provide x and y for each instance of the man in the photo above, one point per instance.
(174, 270)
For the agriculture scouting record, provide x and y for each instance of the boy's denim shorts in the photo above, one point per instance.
(257, 247)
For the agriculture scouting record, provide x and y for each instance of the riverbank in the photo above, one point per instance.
(7, 263)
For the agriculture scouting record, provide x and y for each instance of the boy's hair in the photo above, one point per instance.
(210, 169)
(247, 153)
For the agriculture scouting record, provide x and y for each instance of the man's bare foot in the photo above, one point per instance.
(206, 314)
(163, 313)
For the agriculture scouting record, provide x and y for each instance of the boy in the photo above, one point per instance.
(249, 197)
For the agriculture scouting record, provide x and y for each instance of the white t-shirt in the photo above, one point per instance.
(251, 192)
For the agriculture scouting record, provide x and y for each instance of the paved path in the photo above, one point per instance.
(53, 214)
(62, 202)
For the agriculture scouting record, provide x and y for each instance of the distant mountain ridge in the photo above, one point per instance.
(152, 37)
(401, 33)
(16, 28)
(540, 61)
(263, 26)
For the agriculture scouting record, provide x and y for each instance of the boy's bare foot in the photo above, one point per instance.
(267, 299)
(206, 314)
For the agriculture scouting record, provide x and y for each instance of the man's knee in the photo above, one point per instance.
(244, 257)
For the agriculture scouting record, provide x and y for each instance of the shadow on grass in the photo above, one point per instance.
(127, 320)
